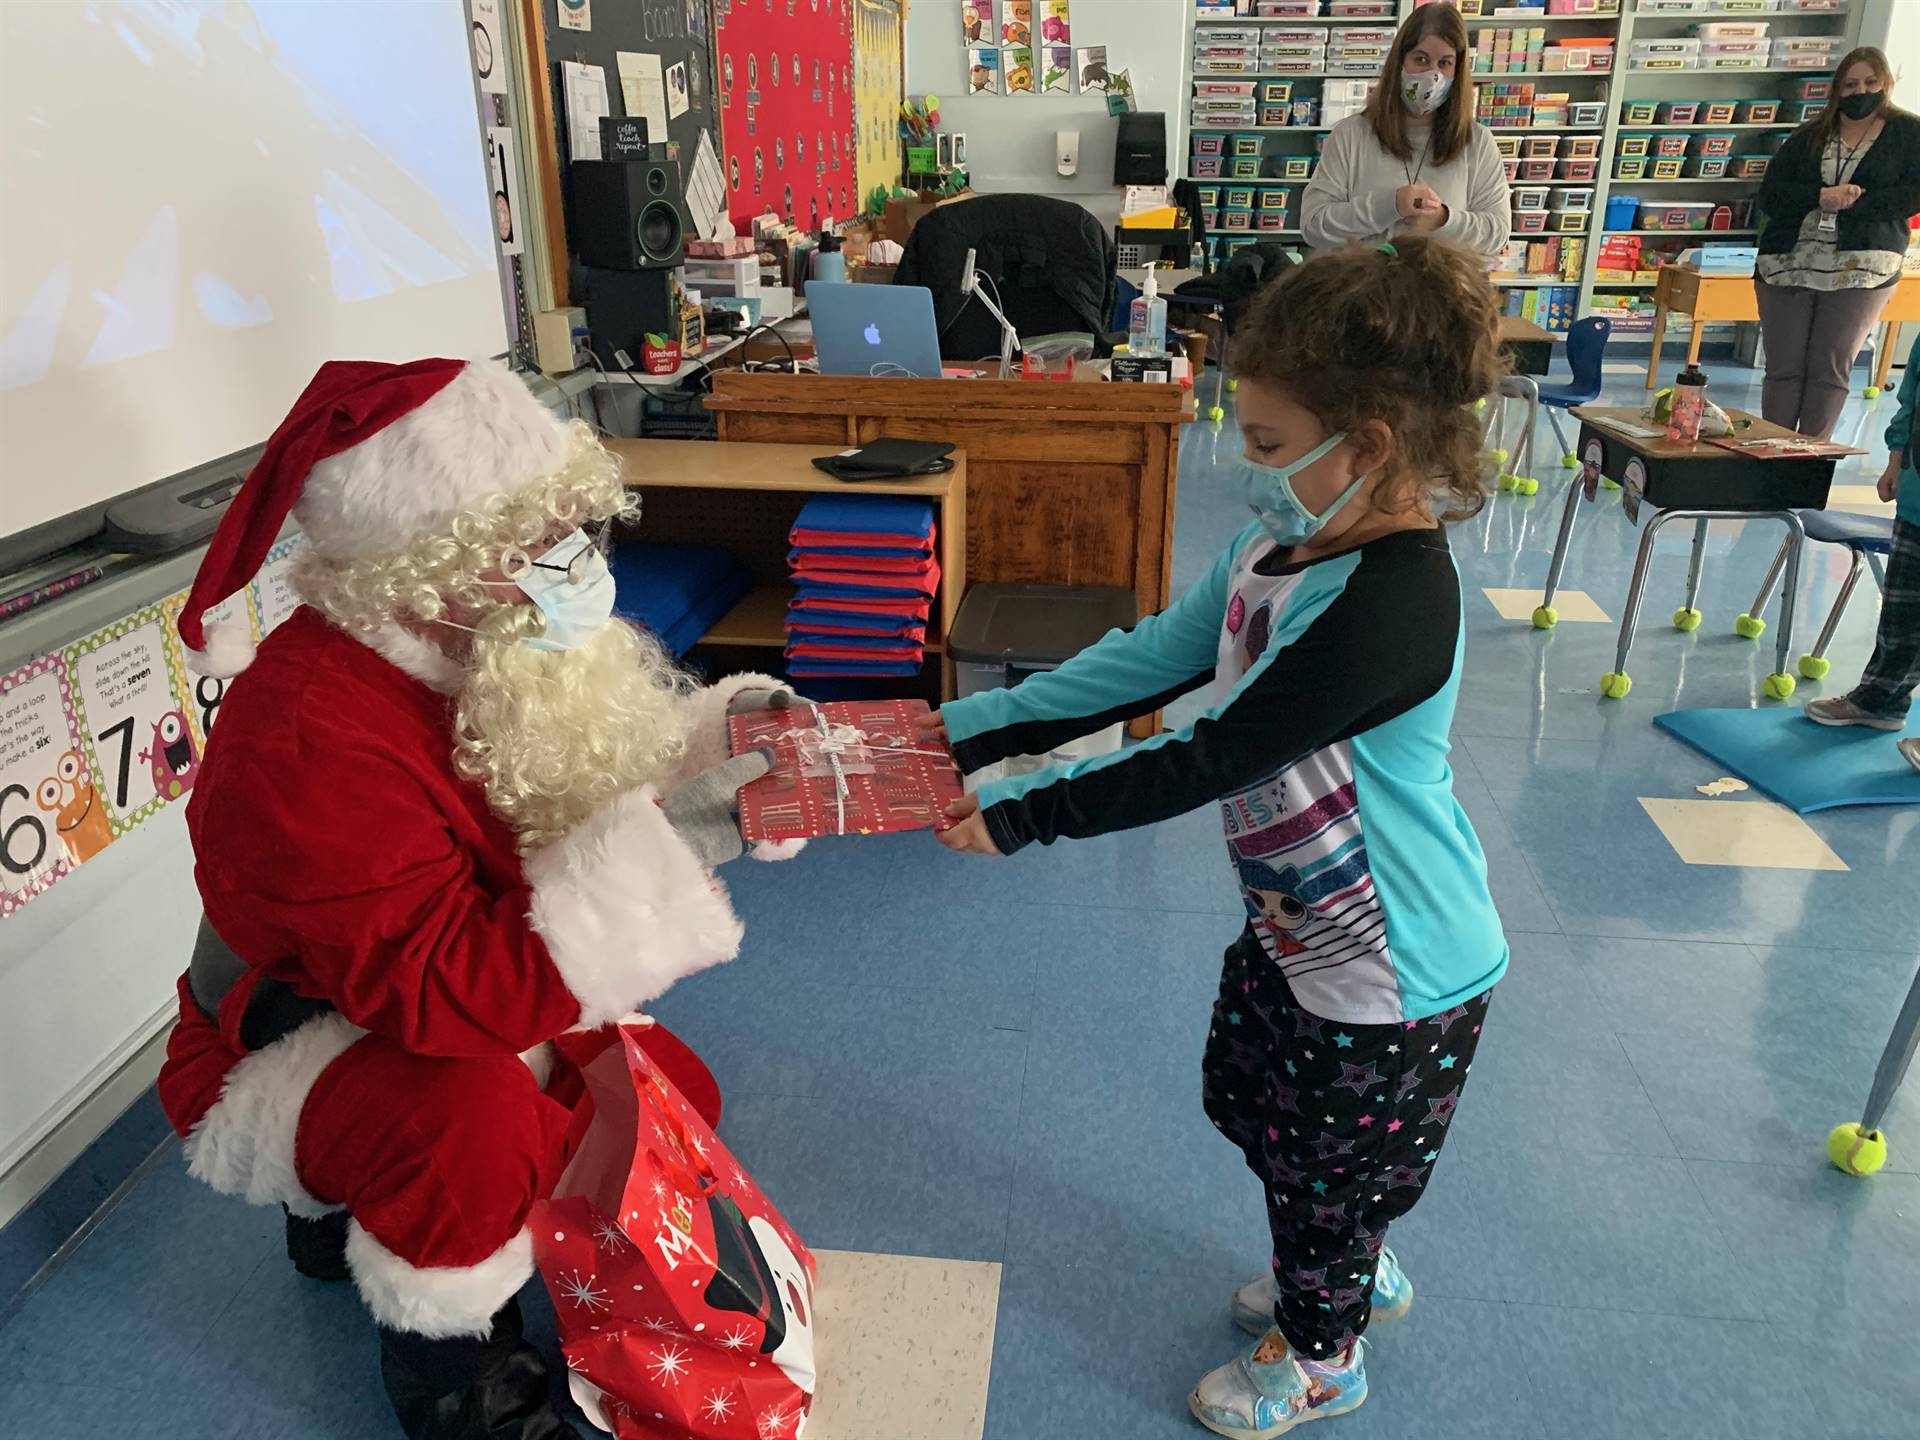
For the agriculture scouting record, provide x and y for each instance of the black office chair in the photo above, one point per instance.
(1051, 263)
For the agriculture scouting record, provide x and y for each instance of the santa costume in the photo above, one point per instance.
(406, 896)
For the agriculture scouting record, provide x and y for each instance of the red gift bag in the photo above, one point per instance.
(685, 1301)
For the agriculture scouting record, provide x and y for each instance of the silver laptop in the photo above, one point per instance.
(880, 331)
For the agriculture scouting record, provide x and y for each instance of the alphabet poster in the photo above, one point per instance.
(133, 727)
(786, 110)
(48, 804)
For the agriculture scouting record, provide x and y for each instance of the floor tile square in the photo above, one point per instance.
(1748, 834)
(1571, 605)
(904, 1345)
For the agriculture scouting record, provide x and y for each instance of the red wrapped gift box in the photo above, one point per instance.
(889, 777)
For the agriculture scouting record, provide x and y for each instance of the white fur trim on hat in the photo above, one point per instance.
(626, 909)
(436, 1301)
(243, 1145)
(483, 435)
(230, 649)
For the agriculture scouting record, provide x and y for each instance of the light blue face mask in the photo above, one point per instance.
(573, 590)
(1269, 490)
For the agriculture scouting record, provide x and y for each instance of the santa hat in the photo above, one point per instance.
(371, 458)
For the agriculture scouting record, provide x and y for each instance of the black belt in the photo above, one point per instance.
(274, 1011)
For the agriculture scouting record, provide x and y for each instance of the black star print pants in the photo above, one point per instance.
(1341, 1122)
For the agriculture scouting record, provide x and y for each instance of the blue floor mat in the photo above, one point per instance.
(1804, 766)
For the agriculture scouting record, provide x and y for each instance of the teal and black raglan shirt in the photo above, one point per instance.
(1334, 683)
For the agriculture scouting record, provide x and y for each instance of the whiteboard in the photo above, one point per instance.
(204, 201)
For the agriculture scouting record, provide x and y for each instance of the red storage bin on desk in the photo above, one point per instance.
(684, 1300)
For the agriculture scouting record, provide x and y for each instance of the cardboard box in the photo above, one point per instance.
(903, 215)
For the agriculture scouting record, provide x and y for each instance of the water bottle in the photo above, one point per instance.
(829, 263)
(1147, 323)
(1689, 406)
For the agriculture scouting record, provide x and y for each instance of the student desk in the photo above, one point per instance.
(746, 497)
(1530, 346)
(1711, 298)
(1702, 483)
(1068, 482)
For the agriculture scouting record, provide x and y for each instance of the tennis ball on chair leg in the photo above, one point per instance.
(1872, 392)
(1855, 1151)
(1815, 667)
(1498, 456)
(1749, 627)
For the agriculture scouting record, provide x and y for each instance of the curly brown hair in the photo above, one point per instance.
(1407, 334)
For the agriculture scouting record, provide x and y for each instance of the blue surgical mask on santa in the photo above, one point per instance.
(573, 590)
(1269, 491)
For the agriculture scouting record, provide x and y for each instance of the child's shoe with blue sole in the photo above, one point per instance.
(1392, 1296)
(1268, 1391)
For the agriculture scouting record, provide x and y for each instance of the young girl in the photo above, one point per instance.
(1331, 634)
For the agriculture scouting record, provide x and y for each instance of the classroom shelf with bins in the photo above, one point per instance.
(1617, 43)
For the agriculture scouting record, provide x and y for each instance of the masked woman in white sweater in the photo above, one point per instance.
(1414, 161)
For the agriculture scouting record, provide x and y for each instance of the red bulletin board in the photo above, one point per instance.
(786, 109)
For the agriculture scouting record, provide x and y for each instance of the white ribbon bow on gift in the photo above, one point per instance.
(837, 745)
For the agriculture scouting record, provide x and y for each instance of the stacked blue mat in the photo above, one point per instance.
(679, 592)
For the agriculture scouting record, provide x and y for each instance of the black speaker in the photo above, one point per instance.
(628, 214)
(622, 307)
(1139, 149)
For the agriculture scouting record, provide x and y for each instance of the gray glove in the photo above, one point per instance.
(705, 812)
(748, 701)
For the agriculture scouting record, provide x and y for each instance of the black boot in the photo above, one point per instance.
(318, 1248)
(492, 1388)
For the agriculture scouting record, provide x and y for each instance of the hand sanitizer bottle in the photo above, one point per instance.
(1147, 323)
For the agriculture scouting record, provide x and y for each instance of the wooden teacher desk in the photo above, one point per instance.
(1709, 299)
(1068, 483)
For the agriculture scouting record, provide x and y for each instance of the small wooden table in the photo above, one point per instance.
(746, 496)
(1702, 483)
(1530, 346)
(1709, 299)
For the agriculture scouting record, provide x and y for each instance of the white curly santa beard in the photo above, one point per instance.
(555, 735)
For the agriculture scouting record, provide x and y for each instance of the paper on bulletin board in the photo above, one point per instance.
(585, 88)
(576, 15)
(1091, 60)
(1016, 22)
(51, 817)
(879, 83)
(1057, 78)
(983, 71)
(489, 47)
(677, 103)
(976, 17)
(1055, 26)
(643, 91)
(205, 692)
(504, 181)
(133, 725)
(274, 598)
(1016, 63)
(706, 188)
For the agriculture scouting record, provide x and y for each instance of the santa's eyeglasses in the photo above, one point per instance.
(515, 562)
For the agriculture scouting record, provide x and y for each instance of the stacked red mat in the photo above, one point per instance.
(865, 577)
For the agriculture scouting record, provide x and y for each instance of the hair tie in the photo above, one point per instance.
(1385, 247)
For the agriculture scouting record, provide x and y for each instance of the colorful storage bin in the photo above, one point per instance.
(1630, 167)
(1679, 112)
(1541, 147)
(1236, 220)
(1208, 196)
(1530, 197)
(1749, 167)
(1207, 167)
(1638, 112)
(1676, 215)
(1246, 145)
(1536, 169)
(1718, 144)
(1575, 197)
(1272, 197)
(1209, 144)
(1239, 197)
(1708, 167)
(1633, 145)
(1581, 170)
(1530, 222)
(1508, 146)
(1244, 167)
(1718, 112)
(1669, 145)
(1276, 92)
(1512, 169)
(1759, 112)
(1273, 220)
(1581, 147)
(1587, 112)
(1295, 167)
(1622, 211)
(1668, 169)
(1569, 222)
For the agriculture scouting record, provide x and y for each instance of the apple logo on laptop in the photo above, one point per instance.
(872, 333)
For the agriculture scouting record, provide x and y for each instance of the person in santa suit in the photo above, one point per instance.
(452, 811)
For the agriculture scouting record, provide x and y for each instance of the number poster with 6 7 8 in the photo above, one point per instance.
(100, 736)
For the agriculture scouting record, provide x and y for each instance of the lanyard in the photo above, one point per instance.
(1846, 161)
(1413, 172)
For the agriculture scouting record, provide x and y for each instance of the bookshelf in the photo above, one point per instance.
(1634, 28)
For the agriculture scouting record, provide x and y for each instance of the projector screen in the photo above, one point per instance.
(201, 201)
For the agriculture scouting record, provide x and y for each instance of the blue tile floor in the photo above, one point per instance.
(1633, 1233)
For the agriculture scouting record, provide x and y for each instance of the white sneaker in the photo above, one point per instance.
(1248, 1400)
(1911, 749)
(1253, 1302)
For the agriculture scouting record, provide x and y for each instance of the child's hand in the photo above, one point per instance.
(970, 836)
(931, 726)
(1889, 483)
